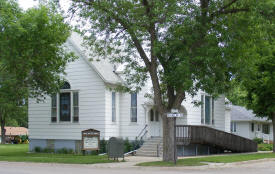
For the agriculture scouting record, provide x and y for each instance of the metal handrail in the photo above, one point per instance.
(142, 132)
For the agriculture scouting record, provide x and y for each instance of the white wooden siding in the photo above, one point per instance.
(91, 106)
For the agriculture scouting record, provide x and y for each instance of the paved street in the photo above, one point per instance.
(253, 167)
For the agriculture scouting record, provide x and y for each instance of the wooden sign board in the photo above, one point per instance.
(90, 139)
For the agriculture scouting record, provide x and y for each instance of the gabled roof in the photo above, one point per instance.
(239, 113)
(16, 131)
(103, 67)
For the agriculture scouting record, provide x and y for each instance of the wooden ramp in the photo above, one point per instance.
(188, 134)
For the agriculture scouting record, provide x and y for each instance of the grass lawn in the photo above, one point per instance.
(19, 153)
(213, 159)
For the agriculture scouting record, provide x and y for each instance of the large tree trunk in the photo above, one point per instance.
(3, 130)
(273, 123)
(169, 147)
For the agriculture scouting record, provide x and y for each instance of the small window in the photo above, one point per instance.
(252, 127)
(259, 127)
(212, 109)
(157, 116)
(207, 110)
(202, 109)
(134, 107)
(66, 85)
(151, 115)
(54, 109)
(266, 129)
(76, 106)
(233, 126)
(113, 106)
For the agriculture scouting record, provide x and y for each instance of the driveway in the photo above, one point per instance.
(266, 166)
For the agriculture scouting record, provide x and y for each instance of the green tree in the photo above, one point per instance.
(254, 86)
(32, 55)
(259, 82)
(181, 46)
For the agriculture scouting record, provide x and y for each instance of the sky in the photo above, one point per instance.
(25, 4)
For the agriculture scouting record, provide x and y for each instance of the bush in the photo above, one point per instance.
(265, 147)
(37, 149)
(103, 146)
(48, 150)
(65, 151)
(127, 145)
(24, 139)
(258, 140)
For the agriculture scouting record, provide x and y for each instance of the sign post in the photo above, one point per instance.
(174, 114)
(90, 140)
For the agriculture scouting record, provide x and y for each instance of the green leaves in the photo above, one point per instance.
(32, 53)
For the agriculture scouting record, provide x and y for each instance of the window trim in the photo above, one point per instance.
(71, 108)
(211, 110)
(268, 129)
(252, 127)
(113, 106)
(233, 126)
(133, 119)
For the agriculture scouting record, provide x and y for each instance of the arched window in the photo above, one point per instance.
(66, 85)
(65, 105)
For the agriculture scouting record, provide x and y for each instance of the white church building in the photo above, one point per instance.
(87, 101)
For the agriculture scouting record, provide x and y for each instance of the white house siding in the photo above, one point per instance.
(242, 129)
(91, 107)
(130, 129)
(194, 112)
(219, 113)
(227, 119)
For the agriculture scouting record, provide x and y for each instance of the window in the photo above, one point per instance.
(157, 116)
(207, 110)
(75, 106)
(233, 126)
(65, 105)
(252, 127)
(202, 109)
(134, 107)
(151, 115)
(266, 129)
(113, 106)
(259, 127)
(54, 109)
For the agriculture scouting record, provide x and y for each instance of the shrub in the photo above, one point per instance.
(65, 151)
(136, 144)
(48, 150)
(24, 139)
(37, 149)
(258, 140)
(103, 146)
(265, 147)
(127, 145)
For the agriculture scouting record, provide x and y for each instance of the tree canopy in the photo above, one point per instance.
(181, 46)
(32, 54)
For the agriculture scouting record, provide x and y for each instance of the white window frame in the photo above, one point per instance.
(113, 106)
(233, 127)
(133, 107)
(211, 110)
(71, 103)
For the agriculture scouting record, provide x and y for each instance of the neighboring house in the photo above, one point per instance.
(11, 132)
(87, 101)
(246, 124)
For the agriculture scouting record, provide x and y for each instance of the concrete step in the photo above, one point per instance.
(149, 147)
